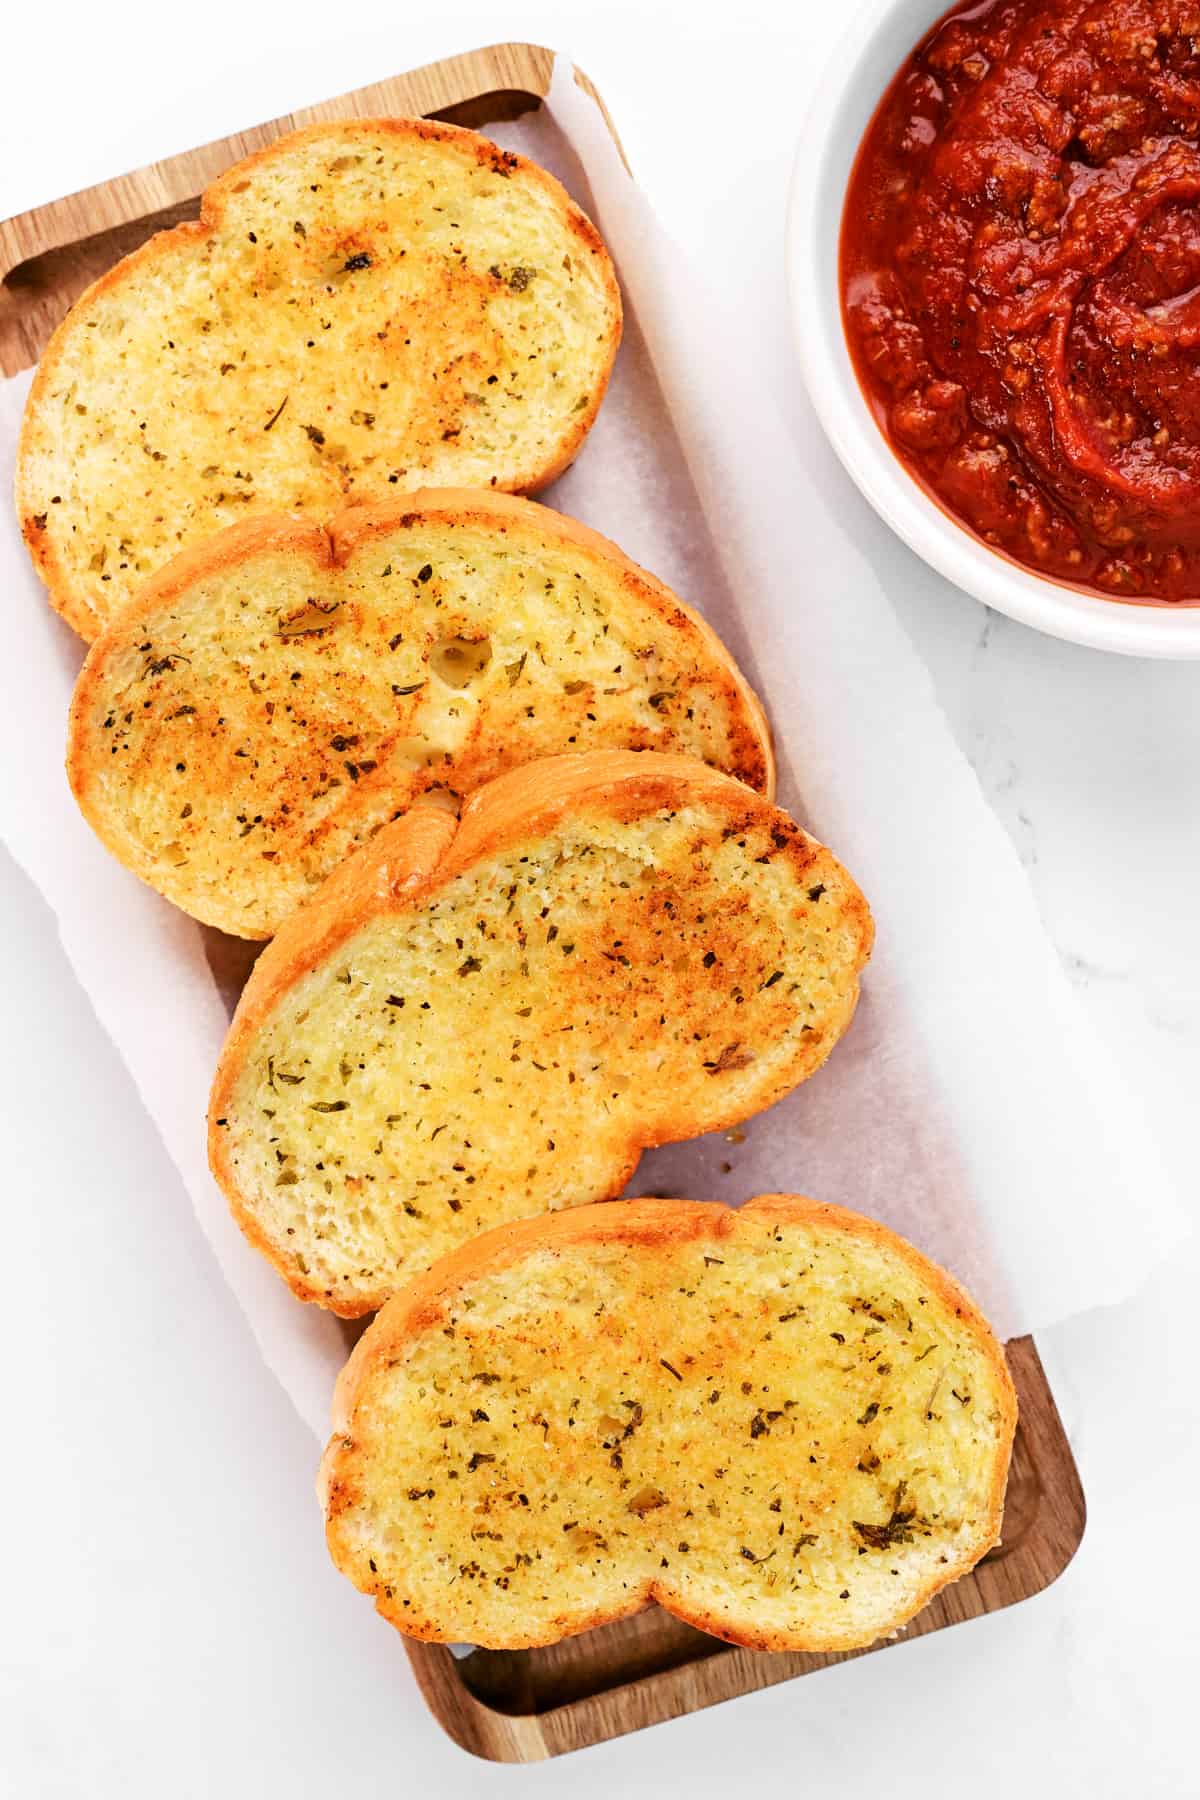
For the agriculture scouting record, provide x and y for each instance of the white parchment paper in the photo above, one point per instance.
(968, 1107)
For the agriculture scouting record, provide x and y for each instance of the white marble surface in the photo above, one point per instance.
(169, 1624)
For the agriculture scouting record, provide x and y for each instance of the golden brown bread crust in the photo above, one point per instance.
(422, 853)
(225, 549)
(426, 1301)
(63, 594)
(747, 736)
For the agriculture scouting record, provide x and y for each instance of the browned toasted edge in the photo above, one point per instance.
(77, 611)
(285, 532)
(424, 850)
(646, 1222)
(333, 546)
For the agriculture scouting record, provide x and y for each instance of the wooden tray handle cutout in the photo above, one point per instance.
(49, 255)
(528, 1704)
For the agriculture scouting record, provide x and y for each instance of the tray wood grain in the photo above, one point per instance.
(525, 1706)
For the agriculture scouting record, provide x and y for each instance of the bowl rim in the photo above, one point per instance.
(824, 160)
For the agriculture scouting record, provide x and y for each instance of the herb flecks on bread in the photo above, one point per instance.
(476, 1022)
(781, 1423)
(363, 306)
(278, 693)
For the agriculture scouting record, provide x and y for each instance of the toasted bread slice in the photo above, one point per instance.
(477, 1021)
(274, 696)
(782, 1423)
(363, 305)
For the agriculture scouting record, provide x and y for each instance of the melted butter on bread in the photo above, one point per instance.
(477, 1021)
(781, 1423)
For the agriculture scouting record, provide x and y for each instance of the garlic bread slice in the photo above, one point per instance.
(782, 1423)
(363, 306)
(278, 693)
(476, 1021)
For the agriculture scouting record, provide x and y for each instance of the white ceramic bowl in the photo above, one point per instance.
(883, 35)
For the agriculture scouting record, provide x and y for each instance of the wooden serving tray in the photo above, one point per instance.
(522, 1706)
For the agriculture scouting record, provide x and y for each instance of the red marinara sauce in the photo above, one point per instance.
(1020, 269)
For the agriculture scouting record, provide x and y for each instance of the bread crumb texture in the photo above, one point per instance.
(508, 1041)
(282, 692)
(364, 305)
(782, 1423)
